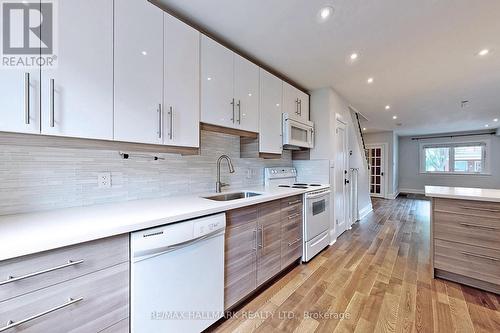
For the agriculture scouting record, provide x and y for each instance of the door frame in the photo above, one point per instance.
(383, 146)
(339, 122)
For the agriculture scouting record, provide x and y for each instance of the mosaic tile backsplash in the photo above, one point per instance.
(34, 178)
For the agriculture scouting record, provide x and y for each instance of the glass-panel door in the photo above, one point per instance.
(376, 159)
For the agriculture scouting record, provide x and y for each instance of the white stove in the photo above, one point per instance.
(316, 210)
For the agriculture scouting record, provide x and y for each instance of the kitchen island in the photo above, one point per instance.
(465, 235)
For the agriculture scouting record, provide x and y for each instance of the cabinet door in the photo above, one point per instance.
(303, 106)
(19, 100)
(182, 83)
(246, 94)
(240, 254)
(270, 138)
(291, 100)
(138, 115)
(268, 241)
(217, 102)
(77, 95)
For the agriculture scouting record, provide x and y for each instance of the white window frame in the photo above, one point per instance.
(486, 158)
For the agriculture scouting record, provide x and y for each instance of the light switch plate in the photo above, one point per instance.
(104, 180)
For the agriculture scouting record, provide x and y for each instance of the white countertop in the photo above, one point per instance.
(23, 234)
(464, 193)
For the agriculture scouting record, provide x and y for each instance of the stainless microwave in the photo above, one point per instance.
(297, 134)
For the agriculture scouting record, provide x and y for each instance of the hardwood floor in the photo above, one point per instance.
(377, 275)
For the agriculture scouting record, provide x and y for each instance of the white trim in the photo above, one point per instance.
(365, 211)
(486, 160)
(333, 241)
(411, 191)
(392, 196)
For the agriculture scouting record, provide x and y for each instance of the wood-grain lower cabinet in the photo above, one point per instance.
(268, 241)
(466, 242)
(255, 247)
(80, 288)
(240, 254)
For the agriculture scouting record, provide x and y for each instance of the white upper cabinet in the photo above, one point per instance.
(19, 100)
(271, 97)
(77, 95)
(139, 113)
(217, 102)
(229, 88)
(182, 84)
(246, 94)
(295, 102)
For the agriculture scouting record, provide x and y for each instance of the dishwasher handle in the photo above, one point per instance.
(147, 254)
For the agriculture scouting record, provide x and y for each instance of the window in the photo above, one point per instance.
(458, 158)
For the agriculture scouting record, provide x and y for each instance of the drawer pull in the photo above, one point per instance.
(481, 209)
(294, 242)
(13, 279)
(293, 216)
(294, 202)
(478, 226)
(479, 256)
(12, 324)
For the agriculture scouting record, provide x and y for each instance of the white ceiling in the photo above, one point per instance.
(421, 53)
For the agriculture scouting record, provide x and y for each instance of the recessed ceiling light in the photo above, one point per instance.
(394, 117)
(250, 94)
(278, 105)
(387, 107)
(324, 13)
(486, 125)
(353, 56)
(370, 80)
(483, 52)
(209, 79)
(495, 120)
(364, 128)
(144, 53)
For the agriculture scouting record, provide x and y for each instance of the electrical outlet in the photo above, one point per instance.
(104, 180)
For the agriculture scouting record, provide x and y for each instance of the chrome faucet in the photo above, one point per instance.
(219, 185)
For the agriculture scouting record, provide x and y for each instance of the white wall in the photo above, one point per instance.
(411, 180)
(325, 105)
(390, 139)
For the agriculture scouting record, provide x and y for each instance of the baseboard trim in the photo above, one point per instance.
(365, 211)
(392, 196)
(411, 191)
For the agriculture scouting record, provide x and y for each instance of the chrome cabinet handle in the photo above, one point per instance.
(300, 107)
(255, 239)
(293, 202)
(479, 256)
(239, 111)
(13, 279)
(481, 209)
(297, 106)
(51, 103)
(294, 242)
(261, 245)
(171, 114)
(27, 98)
(478, 226)
(293, 216)
(160, 121)
(232, 103)
(12, 324)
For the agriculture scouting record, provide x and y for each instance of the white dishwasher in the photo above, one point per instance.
(177, 276)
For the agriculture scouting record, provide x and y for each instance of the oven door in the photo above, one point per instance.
(297, 134)
(317, 214)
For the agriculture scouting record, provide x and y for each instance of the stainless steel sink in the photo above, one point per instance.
(232, 196)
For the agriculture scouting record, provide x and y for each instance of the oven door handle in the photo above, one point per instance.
(313, 196)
